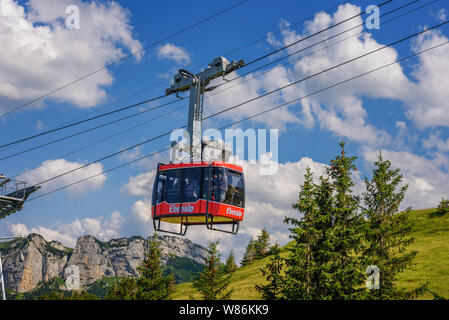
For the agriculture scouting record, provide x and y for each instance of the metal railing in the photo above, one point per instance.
(7, 189)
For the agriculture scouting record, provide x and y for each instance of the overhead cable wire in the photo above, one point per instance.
(91, 129)
(204, 63)
(85, 120)
(312, 45)
(105, 139)
(258, 68)
(283, 29)
(312, 35)
(156, 98)
(248, 101)
(328, 69)
(126, 57)
(252, 116)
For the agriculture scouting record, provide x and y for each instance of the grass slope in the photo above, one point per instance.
(431, 233)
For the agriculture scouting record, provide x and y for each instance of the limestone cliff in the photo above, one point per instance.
(28, 261)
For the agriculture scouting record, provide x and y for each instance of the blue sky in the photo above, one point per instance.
(402, 110)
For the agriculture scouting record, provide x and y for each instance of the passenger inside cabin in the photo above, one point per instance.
(192, 190)
(219, 186)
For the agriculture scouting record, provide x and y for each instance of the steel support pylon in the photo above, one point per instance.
(196, 84)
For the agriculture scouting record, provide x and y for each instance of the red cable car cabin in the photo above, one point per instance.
(199, 193)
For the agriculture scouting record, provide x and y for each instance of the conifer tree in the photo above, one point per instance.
(230, 264)
(307, 266)
(250, 254)
(443, 206)
(257, 249)
(262, 245)
(152, 284)
(340, 235)
(299, 263)
(126, 289)
(345, 235)
(83, 295)
(273, 289)
(213, 282)
(324, 261)
(387, 234)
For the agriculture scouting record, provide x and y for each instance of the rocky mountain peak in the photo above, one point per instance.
(30, 260)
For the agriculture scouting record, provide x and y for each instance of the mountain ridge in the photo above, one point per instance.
(31, 260)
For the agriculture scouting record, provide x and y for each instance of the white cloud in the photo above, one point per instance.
(67, 233)
(173, 52)
(268, 201)
(250, 87)
(423, 95)
(141, 185)
(131, 155)
(282, 188)
(53, 168)
(427, 178)
(341, 109)
(441, 15)
(39, 54)
(435, 142)
(141, 210)
(428, 99)
(139, 219)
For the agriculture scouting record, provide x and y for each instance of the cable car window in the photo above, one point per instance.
(205, 186)
(191, 184)
(160, 188)
(173, 186)
(235, 189)
(219, 185)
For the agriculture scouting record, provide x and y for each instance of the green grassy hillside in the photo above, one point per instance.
(431, 233)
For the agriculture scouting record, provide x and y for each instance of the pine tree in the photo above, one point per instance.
(443, 206)
(230, 265)
(83, 295)
(345, 235)
(53, 295)
(337, 238)
(273, 275)
(152, 284)
(262, 245)
(213, 282)
(299, 268)
(250, 254)
(387, 230)
(307, 266)
(257, 249)
(126, 289)
(324, 261)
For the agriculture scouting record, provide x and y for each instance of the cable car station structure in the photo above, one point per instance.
(13, 198)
